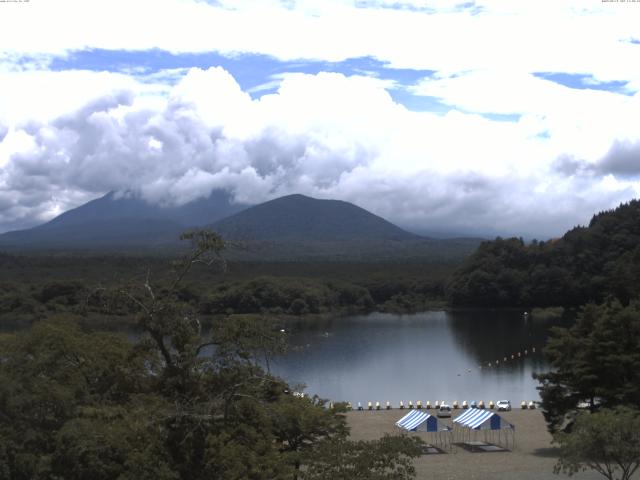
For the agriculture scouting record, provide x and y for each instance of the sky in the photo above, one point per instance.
(488, 117)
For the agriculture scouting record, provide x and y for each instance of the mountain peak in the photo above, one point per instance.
(300, 218)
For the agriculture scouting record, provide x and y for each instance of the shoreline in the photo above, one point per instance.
(533, 457)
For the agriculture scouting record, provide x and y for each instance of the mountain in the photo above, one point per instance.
(294, 227)
(297, 227)
(115, 221)
(297, 218)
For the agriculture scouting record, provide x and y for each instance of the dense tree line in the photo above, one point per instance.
(277, 289)
(587, 264)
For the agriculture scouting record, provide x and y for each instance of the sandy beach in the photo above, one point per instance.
(532, 458)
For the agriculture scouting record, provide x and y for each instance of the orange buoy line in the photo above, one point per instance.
(505, 359)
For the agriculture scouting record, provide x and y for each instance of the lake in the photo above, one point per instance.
(425, 356)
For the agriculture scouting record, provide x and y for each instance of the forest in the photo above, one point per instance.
(79, 404)
(587, 264)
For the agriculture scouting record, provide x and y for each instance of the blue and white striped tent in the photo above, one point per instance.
(477, 419)
(493, 425)
(416, 421)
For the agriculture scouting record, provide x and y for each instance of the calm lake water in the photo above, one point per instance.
(427, 356)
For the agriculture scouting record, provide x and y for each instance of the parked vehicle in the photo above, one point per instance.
(444, 411)
(503, 405)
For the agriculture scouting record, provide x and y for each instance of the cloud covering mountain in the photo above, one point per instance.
(465, 119)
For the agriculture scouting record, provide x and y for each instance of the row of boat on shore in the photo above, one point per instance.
(524, 405)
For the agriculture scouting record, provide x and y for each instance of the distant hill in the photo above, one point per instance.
(114, 221)
(294, 227)
(297, 218)
(304, 228)
(586, 264)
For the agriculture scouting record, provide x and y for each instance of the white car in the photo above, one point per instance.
(503, 405)
(444, 411)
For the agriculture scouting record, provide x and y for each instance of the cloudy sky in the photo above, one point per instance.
(479, 117)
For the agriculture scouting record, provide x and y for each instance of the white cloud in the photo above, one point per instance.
(546, 35)
(325, 135)
(174, 135)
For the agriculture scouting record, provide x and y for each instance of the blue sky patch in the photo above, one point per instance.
(253, 72)
(583, 82)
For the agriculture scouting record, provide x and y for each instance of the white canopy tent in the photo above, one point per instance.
(468, 425)
(419, 421)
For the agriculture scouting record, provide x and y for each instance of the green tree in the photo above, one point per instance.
(389, 458)
(607, 441)
(596, 360)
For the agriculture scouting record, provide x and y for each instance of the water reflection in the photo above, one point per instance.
(428, 356)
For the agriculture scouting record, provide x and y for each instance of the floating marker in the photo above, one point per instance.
(491, 405)
(410, 404)
(532, 405)
(377, 405)
(519, 354)
(349, 407)
(437, 404)
(388, 405)
(427, 405)
(533, 349)
(359, 406)
(523, 405)
(401, 404)
(465, 404)
(370, 406)
(525, 352)
(455, 404)
(504, 359)
(513, 357)
(419, 404)
(480, 404)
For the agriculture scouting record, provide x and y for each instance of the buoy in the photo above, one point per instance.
(489, 365)
(401, 405)
(410, 404)
(525, 352)
(359, 406)
(419, 404)
(388, 405)
(523, 405)
(465, 404)
(349, 407)
(532, 405)
(519, 354)
(504, 359)
(377, 405)
(491, 405)
(370, 406)
(480, 404)
(437, 404)
(533, 349)
(455, 404)
(513, 357)
(497, 362)
(427, 405)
